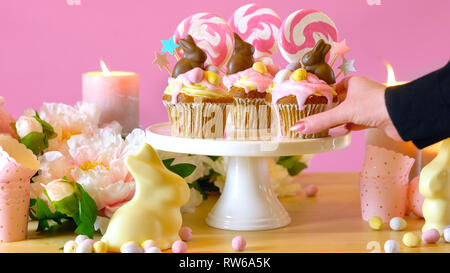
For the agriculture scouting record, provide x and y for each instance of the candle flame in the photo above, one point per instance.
(105, 69)
(391, 76)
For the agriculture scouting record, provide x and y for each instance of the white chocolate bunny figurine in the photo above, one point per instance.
(154, 212)
(434, 185)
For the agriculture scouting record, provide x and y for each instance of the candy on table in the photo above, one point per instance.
(100, 247)
(376, 223)
(84, 247)
(211, 33)
(415, 198)
(80, 238)
(131, 248)
(397, 223)
(239, 243)
(259, 26)
(431, 236)
(300, 32)
(446, 234)
(179, 247)
(185, 233)
(153, 249)
(17, 165)
(70, 246)
(411, 240)
(391, 246)
(435, 187)
(384, 183)
(311, 190)
(137, 220)
(147, 244)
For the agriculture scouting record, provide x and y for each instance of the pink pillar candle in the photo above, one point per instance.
(116, 93)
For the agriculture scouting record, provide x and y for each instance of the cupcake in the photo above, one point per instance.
(247, 82)
(195, 98)
(298, 92)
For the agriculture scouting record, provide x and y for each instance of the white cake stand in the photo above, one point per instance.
(248, 201)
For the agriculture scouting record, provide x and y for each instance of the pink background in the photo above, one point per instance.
(45, 46)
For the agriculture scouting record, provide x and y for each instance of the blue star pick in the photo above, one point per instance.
(169, 45)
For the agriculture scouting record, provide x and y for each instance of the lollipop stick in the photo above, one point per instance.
(334, 60)
(340, 72)
(168, 70)
(176, 55)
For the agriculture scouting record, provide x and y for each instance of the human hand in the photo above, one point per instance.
(363, 106)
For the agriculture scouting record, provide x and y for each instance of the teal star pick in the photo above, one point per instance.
(169, 45)
(347, 66)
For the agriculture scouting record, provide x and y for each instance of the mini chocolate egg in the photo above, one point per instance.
(391, 246)
(212, 68)
(80, 238)
(185, 233)
(300, 74)
(131, 248)
(259, 67)
(397, 223)
(411, 240)
(212, 77)
(84, 247)
(179, 247)
(281, 76)
(446, 234)
(311, 190)
(431, 236)
(70, 246)
(293, 66)
(266, 60)
(153, 249)
(239, 243)
(195, 75)
(147, 244)
(100, 247)
(376, 223)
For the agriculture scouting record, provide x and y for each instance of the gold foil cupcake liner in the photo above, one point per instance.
(197, 120)
(289, 114)
(250, 119)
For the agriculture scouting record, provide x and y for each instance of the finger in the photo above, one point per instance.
(319, 122)
(341, 88)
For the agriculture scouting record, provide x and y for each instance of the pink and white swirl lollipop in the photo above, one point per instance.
(258, 26)
(211, 33)
(301, 30)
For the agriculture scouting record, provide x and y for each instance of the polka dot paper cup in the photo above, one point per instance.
(383, 183)
(17, 166)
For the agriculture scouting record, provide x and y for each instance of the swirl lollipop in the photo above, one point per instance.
(211, 33)
(259, 26)
(301, 30)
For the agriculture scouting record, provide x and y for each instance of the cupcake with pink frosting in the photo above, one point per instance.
(247, 82)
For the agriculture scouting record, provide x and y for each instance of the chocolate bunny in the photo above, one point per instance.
(193, 57)
(314, 62)
(242, 56)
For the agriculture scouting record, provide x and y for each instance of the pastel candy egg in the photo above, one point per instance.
(446, 234)
(397, 223)
(238, 243)
(90, 241)
(299, 74)
(212, 77)
(100, 247)
(70, 246)
(415, 198)
(411, 240)
(84, 247)
(179, 247)
(311, 190)
(213, 68)
(153, 249)
(80, 238)
(266, 60)
(259, 67)
(293, 66)
(147, 244)
(376, 223)
(281, 76)
(131, 248)
(195, 75)
(431, 236)
(273, 69)
(391, 246)
(185, 233)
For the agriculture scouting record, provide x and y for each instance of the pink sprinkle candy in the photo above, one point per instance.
(311, 190)
(179, 247)
(431, 236)
(185, 234)
(90, 241)
(148, 246)
(238, 243)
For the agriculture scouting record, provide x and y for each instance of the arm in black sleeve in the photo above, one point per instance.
(420, 110)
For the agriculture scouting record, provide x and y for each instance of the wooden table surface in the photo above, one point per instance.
(329, 222)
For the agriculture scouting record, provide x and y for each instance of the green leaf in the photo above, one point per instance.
(214, 158)
(46, 127)
(196, 186)
(67, 205)
(87, 213)
(183, 170)
(43, 214)
(292, 164)
(36, 142)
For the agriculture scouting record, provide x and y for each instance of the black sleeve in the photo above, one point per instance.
(420, 110)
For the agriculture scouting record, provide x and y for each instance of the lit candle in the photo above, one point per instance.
(378, 138)
(116, 93)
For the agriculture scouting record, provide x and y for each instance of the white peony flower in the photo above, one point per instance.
(26, 125)
(59, 189)
(195, 200)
